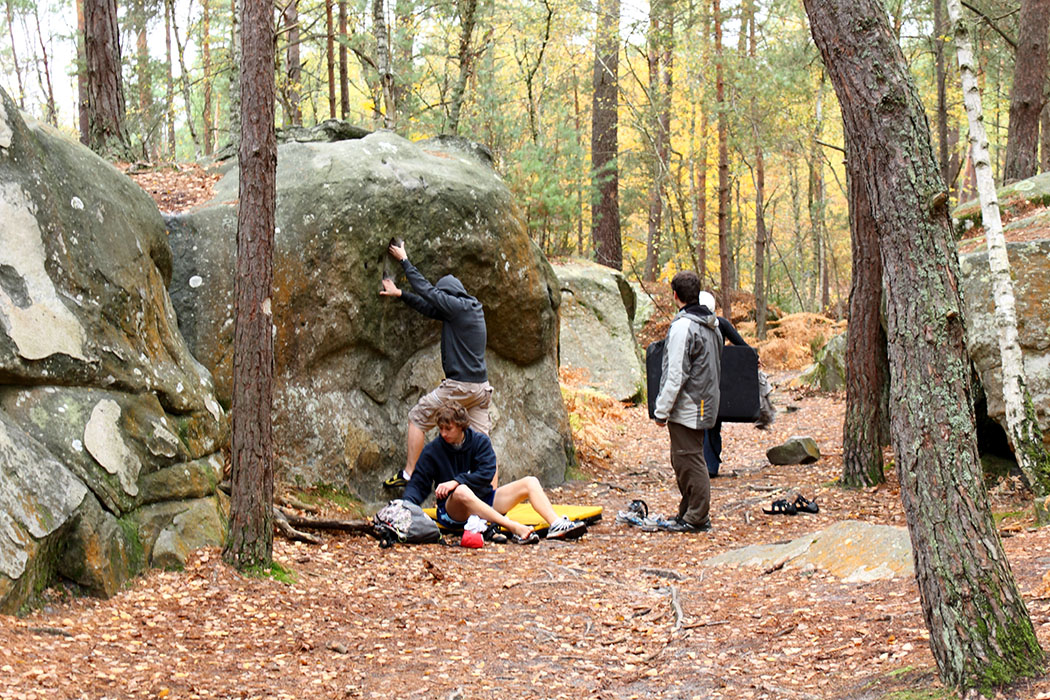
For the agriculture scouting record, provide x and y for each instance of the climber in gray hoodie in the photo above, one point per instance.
(688, 400)
(463, 339)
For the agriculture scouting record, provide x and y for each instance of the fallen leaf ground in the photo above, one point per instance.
(593, 618)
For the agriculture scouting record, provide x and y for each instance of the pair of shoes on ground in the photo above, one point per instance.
(560, 529)
(785, 507)
(397, 481)
(679, 525)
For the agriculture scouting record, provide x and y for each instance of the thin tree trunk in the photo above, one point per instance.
(344, 66)
(184, 81)
(1026, 95)
(760, 188)
(169, 85)
(208, 126)
(106, 110)
(250, 540)
(82, 86)
(386, 74)
(980, 632)
(656, 178)
(142, 74)
(1024, 434)
(330, 56)
(467, 18)
(866, 426)
(52, 114)
(294, 68)
(21, 99)
(723, 165)
(816, 204)
(235, 75)
(605, 212)
(579, 147)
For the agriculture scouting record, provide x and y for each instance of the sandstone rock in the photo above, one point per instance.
(644, 308)
(349, 363)
(828, 373)
(596, 335)
(170, 530)
(97, 389)
(851, 550)
(795, 450)
(1030, 267)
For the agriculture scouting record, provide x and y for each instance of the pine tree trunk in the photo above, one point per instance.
(169, 83)
(1025, 436)
(137, 14)
(294, 67)
(344, 66)
(655, 56)
(235, 75)
(386, 74)
(866, 426)
(605, 212)
(329, 24)
(49, 92)
(980, 632)
(184, 81)
(106, 111)
(468, 16)
(82, 87)
(723, 164)
(250, 541)
(206, 111)
(1044, 139)
(1026, 96)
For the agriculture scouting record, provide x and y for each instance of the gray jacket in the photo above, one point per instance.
(692, 366)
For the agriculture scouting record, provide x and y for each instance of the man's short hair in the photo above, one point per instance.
(452, 413)
(686, 285)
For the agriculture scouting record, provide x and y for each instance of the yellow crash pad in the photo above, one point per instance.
(525, 514)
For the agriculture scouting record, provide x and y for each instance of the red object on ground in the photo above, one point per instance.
(473, 540)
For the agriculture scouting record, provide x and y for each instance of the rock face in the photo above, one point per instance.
(828, 373)
(99, 395)
(349, 363)
(854, 551)
(597, 305)
(795, 450)
(1030, 266)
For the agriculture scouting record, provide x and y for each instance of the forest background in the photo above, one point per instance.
(728, 137)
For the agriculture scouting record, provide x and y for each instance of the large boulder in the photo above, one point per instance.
(99, 395)
(597, 304)
(349, 363)
(828, 371)
(1030, 268)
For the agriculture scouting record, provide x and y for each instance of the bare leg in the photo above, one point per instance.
(416, 439)
(463, 503)
(527, 488)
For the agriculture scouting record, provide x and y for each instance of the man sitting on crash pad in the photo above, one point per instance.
(459, 466)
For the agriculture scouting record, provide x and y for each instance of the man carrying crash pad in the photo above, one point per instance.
(463, 339)
(459, 466)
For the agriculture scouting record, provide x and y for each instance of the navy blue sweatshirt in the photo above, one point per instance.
(471, 463)
(463, 333)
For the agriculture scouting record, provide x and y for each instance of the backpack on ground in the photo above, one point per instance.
(404, 522)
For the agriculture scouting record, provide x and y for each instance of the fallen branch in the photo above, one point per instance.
(281, 524)
(705, 623)
(364, 525)
(291, 501)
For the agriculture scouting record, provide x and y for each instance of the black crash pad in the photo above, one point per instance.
(738, 402)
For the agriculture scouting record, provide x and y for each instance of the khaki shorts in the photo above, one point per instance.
(473, 397)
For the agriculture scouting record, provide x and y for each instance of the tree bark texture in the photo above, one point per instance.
(980, 632)
(468, 15)
(1026, 96)
(169, 83)
(235, 75)
(658, 141)
(386, 72)
(250, 541)
(1025, 435)
(293, 66)
(605, 212)
(143, 76)
(184, 81)
(52, 113)
(206, 110)
(344, 65)
(866, 426)
(760, 188)
(940, 29)
(723, 164)
(106, 107)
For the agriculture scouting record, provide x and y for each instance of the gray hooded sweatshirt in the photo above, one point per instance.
(692, 366)
(463, 333)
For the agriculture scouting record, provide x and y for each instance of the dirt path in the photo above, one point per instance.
(595, 618)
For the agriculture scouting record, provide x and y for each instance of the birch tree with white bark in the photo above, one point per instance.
(1024, 434)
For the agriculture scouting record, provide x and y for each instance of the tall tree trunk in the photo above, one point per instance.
(866, 426)
(940, 76)
(21, 98)
(1026, 96)
(467, 17)
(82, 86)
(330, 56)
(980, 632)
(760, 188)
(723, 164)
(344, 67)
(386, 73)
(1044, 138)
(169, 83)
(106, 111)
(137, 13)
(605, 212)
(294, 67)
(1024, 434)
(235, 75)
(816, 204)
(531, 67)
(184, 81)
(208, 126)
(49, 92)
(656, 176)
(250, 541)
(579, 148)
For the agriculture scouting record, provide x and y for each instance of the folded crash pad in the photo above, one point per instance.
(525, 514)
(738, 402)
